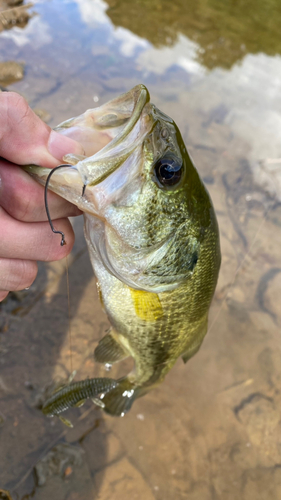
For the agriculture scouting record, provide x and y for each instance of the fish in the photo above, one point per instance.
(152, 236)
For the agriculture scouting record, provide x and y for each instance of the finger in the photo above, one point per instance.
(33, 240)
(25, 139)
(3, 295)
(23, 198)
(16, 274)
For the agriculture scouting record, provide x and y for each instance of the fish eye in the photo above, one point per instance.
(168, 170)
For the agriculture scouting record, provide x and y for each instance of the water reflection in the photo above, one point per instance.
(36, 31)
(223, 31)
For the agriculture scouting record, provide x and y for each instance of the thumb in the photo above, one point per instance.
(24, 138)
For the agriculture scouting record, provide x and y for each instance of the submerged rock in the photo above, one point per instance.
(58, 461)
(10, 72)
(13, 13)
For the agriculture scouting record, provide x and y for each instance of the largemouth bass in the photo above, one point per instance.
(152, 236)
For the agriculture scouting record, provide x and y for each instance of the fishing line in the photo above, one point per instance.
(63, 242)
(69, 319)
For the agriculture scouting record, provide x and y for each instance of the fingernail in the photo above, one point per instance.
(59, 145)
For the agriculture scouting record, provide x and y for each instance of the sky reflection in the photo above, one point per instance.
(74, 44)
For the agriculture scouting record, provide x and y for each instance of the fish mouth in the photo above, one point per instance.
(110, 135)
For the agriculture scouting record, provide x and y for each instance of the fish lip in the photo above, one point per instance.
(141, 98)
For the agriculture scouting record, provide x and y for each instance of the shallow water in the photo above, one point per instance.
(211, 431)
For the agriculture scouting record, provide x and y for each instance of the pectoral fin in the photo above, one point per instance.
(109, 350)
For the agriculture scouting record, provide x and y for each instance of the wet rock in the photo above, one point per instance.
(74, 482)
(10, 72)
(59, 461)
(260, 418)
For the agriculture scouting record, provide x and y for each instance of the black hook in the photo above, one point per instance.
(63, 242)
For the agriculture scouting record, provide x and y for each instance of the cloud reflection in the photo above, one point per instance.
(182, 54)
(147, 57)
(36, 32)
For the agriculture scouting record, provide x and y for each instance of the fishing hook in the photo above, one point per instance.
(63, 242)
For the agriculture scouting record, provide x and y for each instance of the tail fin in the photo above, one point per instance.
(119, 400)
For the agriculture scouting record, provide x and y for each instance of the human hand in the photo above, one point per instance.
(25, 236)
